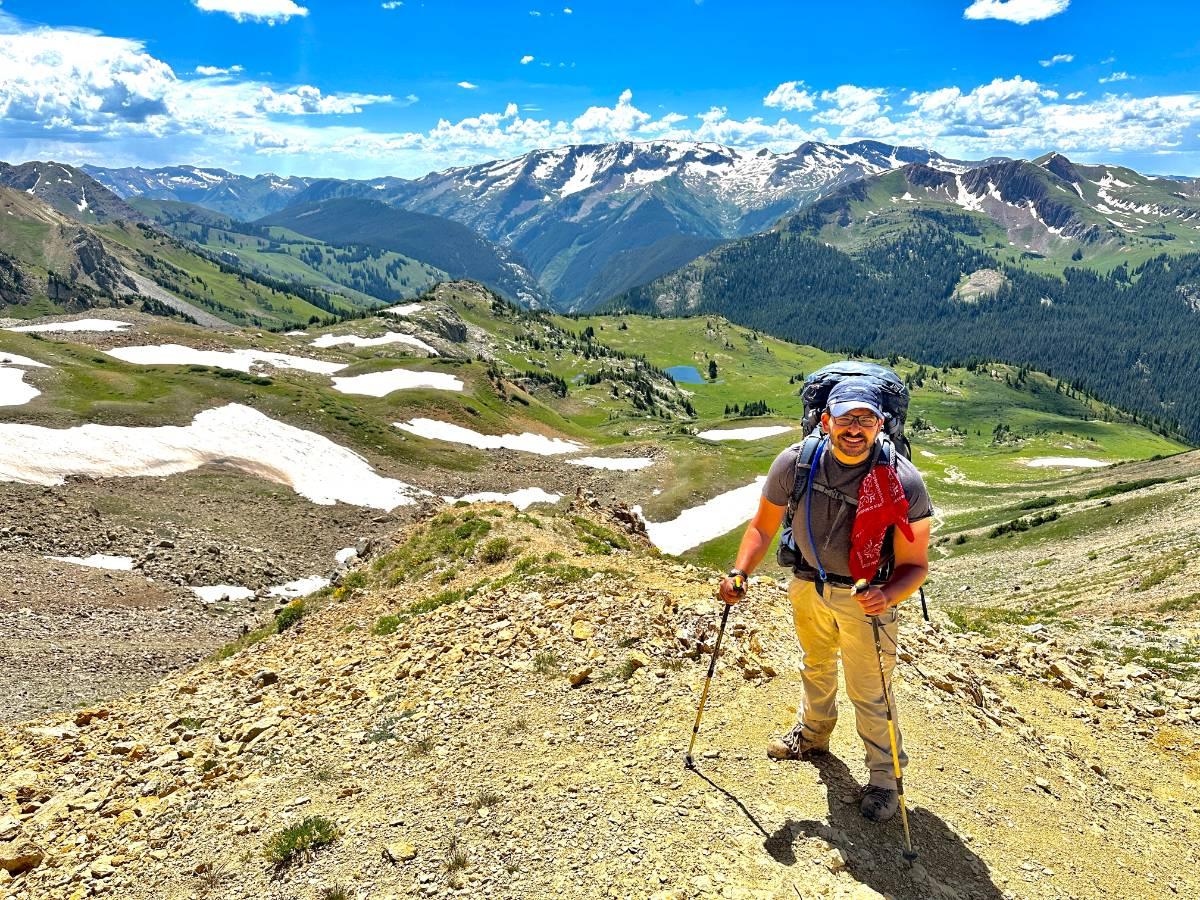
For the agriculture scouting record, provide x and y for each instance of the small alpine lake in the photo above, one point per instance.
(685, 374)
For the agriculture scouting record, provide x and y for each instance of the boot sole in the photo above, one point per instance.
(804, 754)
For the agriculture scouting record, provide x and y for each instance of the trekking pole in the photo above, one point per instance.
(712, 665)
(909, 854)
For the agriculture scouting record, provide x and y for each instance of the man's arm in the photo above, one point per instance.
(755, 542)
(908, 574)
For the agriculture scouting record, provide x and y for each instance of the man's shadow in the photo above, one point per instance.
(873, 851)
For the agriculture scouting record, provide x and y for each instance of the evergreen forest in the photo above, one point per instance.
(1130, 337)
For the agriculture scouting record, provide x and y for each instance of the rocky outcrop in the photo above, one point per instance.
(91, 262)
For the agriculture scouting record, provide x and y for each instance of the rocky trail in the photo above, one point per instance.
(497, 704)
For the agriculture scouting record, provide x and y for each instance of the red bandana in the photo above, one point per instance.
(881, 504)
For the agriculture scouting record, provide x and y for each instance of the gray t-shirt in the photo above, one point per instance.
(832, 519)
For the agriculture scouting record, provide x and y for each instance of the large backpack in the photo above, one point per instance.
(815, 395)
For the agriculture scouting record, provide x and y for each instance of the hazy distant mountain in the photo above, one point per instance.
(68, 189)
(587, 216)
(241, 196)
(446, 245)
(591, 220)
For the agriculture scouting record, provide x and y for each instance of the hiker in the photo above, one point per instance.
(877, 527)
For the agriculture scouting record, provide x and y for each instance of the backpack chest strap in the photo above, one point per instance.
(834, 493)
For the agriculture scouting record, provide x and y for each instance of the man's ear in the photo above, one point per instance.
(825, 422)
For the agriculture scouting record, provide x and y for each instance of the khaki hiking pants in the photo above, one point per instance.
(836, 622)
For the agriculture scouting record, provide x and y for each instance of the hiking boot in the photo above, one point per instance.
(879, 803)
(794, 745)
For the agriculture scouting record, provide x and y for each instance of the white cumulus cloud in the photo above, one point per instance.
(1020, 116)
(1115, 76)
(854, 107)
(392, 4)
(1020, 11)
(526, 59)
(210, 71)
(269, 11)
(53, 79)
(467, 86)
(792, 95)
(308, 100)
(1056, 59)
(619, 120)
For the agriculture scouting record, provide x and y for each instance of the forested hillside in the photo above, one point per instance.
(1128, 336)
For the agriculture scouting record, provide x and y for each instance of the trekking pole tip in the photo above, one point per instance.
(910, 855)
(688, 762)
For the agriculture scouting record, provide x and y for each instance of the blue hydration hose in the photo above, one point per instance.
(812, 471)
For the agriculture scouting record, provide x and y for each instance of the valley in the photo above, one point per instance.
(297, 525)
(255, 425)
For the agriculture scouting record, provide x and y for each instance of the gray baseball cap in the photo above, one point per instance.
(854, 393)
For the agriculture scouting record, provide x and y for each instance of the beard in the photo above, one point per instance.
(855, 447)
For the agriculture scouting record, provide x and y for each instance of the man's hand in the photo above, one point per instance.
(873, 600)
(732, 589)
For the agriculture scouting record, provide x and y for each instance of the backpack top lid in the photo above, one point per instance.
(891, 390)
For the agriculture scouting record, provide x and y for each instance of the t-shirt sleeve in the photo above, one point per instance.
(919, 504)
(781, 479)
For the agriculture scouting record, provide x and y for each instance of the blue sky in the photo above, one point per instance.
(369, 88)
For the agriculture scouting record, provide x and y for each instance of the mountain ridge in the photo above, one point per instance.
(443, 243)
(576, 211)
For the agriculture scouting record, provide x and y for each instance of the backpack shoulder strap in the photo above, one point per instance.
(887, 451)
(804, 460)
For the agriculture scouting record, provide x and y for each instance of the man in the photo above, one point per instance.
(827, 614)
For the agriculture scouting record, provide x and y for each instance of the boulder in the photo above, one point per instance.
(20, 856)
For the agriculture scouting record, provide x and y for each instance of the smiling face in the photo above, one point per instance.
(851, 443)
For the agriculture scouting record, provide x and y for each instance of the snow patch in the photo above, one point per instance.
(380, 384)
(215, 593)
(13, 389)
(751, 433)
(521, 499)
(1065, 462)
(76, 325)
(585, 169)
(239, 360)
(456, 434)
(709, 520)
(404, 309)
(98, 561)
(13, 359)
(345, 555)
(392, 337)
(235, 436)
(301, 587)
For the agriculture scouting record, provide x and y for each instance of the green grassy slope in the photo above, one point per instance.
(365, 276)
(974, 431)
(226, 292)
(881, 207)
